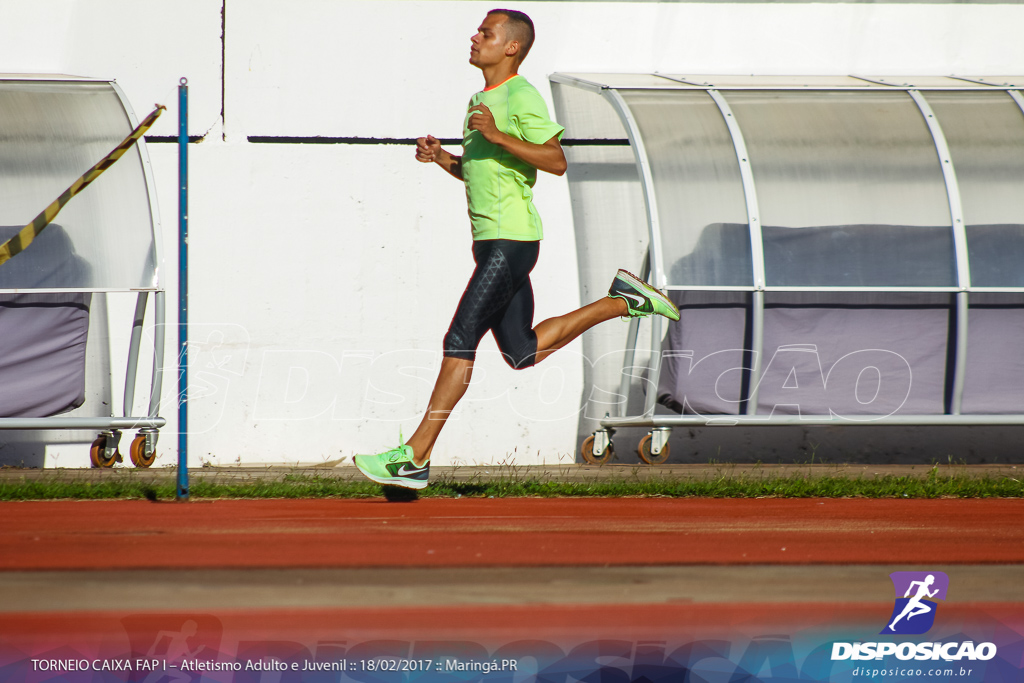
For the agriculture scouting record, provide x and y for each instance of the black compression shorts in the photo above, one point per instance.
(499, 297)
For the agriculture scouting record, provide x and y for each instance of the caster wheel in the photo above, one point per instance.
(644, 450)
(138, 453)
(98, 454)
(587, 450)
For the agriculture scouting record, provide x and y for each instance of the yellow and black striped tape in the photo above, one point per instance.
(26, 235)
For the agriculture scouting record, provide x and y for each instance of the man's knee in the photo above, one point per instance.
(521, 358)
(520, 351)
(455, 347)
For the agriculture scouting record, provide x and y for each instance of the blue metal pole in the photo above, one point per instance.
(183, 290)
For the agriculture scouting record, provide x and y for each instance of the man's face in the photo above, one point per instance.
(488, 45)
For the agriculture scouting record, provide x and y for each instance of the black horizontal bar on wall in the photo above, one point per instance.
(602, 142)
(324, 140)
(172, 138)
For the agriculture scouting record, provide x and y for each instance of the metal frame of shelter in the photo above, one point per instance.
(654, 447)
(144, 278)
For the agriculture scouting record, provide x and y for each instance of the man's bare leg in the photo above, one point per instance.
(554, 333)
(450, 387)
(456, 373)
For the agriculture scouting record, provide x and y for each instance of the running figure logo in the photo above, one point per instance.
(914, 613)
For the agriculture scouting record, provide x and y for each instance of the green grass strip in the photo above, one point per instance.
(133, 486)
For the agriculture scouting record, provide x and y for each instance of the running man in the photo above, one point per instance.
(176, 652)
(507, 138)
(914, 606)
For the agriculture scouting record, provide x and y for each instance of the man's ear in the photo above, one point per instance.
(512, 48)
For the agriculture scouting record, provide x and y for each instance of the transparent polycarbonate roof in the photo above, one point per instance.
(52, 130)
(598, 81)
(941, 82)
(779, 81)
(673, 80)
(45, 77)
(997, 81)
(790, 182)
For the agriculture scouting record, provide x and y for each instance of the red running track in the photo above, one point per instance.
(506, 532)
(485, 622)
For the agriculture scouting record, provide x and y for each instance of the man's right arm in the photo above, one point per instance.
(428, 150)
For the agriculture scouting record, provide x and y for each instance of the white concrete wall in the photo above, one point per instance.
(324, 276)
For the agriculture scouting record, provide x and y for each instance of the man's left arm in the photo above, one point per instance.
(547, 157)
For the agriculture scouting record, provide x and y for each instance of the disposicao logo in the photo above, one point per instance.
(914, 613)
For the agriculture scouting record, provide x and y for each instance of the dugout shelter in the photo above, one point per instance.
(106, 240)
(843, 249)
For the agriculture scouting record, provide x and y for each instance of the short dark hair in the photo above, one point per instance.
(519, 27)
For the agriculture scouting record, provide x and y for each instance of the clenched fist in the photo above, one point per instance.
(428, 149)
(483, 121)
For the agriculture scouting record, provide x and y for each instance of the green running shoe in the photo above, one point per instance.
(395, 468)
(640, 297)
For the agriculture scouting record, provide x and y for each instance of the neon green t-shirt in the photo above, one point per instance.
(499, 186)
